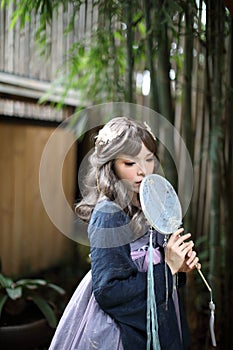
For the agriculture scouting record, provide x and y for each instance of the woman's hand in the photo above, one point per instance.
(179, 255)
(191, 262)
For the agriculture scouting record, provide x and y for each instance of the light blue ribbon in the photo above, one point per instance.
(152, 322)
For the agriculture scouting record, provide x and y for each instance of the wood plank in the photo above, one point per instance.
(16, 56)
(31, 88)
(2, 38)
(7, 196)
(33, 111)
(19, 184)
(9, 40)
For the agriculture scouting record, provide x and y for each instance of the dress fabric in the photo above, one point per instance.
(80, 325)
(81, 322)
(108, 308)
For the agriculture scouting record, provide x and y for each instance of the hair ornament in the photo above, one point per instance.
(106, 135)
(148, 128)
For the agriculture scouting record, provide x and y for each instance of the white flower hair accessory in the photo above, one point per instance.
(106, 135)
(148, 128)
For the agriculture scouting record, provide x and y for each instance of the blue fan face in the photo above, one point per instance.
(160, 204)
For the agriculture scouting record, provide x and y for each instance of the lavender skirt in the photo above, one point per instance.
(84, 326)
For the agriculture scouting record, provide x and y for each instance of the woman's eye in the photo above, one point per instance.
(150, 160)
(129, 163)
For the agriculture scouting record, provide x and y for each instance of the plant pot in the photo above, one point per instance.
(27, 330)
(34, 335)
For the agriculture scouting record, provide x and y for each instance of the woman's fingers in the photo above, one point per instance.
(180, 245)
(186, 246)
(180, 255)
(176, 235)
(193, 260)
(177, 239)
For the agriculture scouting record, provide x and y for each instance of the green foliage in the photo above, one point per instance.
(25, 8)
(29, 289)
(44, 11)
(96, 66)
(91, 69)
(46, 310)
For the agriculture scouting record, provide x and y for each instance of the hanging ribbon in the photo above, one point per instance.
(152, 322)
(212, 308)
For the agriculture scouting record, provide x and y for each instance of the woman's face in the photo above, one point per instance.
(134, 169)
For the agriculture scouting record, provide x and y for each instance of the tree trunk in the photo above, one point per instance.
(150, 55)
(163, 86)
(228, 209)
(187, 134)
(187, 93)
(215, 27)
(129, 51)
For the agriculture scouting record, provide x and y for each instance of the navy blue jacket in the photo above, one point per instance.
(121, 290)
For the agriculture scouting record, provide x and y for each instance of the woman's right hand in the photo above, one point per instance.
(177, 251)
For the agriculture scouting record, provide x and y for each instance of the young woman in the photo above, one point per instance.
(109, 308)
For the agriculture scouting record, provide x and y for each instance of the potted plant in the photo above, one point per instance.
(27, 317)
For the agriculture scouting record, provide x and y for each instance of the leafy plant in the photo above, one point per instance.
(28, 290)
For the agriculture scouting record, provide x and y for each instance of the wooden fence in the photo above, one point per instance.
(29, 241)
(19, 53)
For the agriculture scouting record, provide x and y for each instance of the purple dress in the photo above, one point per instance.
(84, 325)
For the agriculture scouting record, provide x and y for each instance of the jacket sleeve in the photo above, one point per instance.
(119, 288)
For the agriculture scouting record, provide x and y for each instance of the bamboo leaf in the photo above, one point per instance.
(142, 28)
(117, 35)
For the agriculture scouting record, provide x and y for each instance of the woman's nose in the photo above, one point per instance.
(141, 170)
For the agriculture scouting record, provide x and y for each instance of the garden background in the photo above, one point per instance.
(176, 57)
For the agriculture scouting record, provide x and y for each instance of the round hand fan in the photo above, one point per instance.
(160, 204)
(161, 207)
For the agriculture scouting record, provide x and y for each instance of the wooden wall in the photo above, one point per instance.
(29, 241)
(19, 52)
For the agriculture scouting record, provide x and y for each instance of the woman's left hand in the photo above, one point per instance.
(179, 253)
(191, 262)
